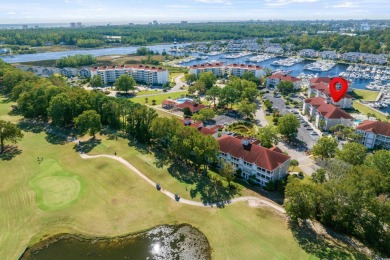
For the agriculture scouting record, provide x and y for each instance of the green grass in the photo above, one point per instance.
(365, 110)
(55, 188)
(159, 98)
(366, 95)
(147, 92)
(112, 200)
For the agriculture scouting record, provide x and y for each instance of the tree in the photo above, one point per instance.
(208, 78)
(288, 126)
(228, 95)
(190, 78)
(294, 163)
(9, 132)
(187, 112)
(207, 113)
(250, 77)
(198, 86)
(268, 136)
(250, 93)
(213, 93)
(247, 108)
(353, 153)
(60, 110)
(227, 170)
(285, 87)
(319, 176)
(125, 83)
(89, 121)
(380, 160)
(301, 199)
(325, 148)
(96, 81)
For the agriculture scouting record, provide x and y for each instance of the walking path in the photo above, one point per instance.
(252, 201)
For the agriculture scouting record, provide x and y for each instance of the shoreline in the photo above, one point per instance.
(48, 240)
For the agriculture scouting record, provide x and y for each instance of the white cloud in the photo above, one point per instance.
(286, 2)
(11, 13)
(344, 5)
(214, 1)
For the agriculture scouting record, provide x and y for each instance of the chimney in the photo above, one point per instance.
(245, 142)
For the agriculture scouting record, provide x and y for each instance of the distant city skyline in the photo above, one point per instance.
(121, 11)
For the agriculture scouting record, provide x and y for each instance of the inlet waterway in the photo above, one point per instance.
(162, 242)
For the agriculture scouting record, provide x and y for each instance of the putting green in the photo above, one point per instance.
(55, 188)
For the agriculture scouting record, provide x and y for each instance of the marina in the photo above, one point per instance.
(291, 61)
(237, 55)
(320, 65)
(260, 58)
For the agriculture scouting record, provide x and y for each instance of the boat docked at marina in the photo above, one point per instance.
(320, 65)
(291, 61)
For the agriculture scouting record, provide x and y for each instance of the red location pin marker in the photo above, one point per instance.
(338, 94)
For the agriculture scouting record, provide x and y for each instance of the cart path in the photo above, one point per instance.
(252, 201)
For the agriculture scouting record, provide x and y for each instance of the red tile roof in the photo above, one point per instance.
(207, 65)
(330, 111)
(320, 79)
(283, 77)
(198, 125)
(276, 149)
(315, 101)
(194, 107)
(244, 66)
(126, 67)
(262, 157)
(377, 127)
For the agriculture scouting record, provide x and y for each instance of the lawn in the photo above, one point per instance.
(147, 92)
(159, 97)
(101, 197)
(366, 95)
(365, 110)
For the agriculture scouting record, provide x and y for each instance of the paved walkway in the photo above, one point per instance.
(252, 201)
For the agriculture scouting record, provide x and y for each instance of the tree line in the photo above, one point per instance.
(76, 61)
(51, 100)
(349, 193)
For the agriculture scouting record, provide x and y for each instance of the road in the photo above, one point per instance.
(306, 163)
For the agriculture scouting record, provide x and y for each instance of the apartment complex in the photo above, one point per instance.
(141, 73)
(240, 69)
(275, 79)
(217, 68)
(319, 87)
(374, 134)
(256, 162)
(326, 114)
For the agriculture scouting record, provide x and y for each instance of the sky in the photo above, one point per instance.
(125, 11)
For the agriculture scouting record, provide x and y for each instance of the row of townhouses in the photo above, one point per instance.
(141, 73)
(348, 56)
(220, 70)
(48, 71)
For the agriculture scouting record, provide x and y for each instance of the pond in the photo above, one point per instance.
(162, 242)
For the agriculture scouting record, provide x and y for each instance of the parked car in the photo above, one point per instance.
(309, 128)
(313, 133)
(177, 197)
(158, 187)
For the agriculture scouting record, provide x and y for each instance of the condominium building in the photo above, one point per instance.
(326, 114)
(275, 79)
(374, 134)
(217, 68)
(310, 53)
(256, 162)
(240, 69)
(141, 73)
(319, 87)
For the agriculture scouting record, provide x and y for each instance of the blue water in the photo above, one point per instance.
(182, 100)
(95, 52)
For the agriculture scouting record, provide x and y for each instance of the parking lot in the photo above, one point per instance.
(305, 132)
